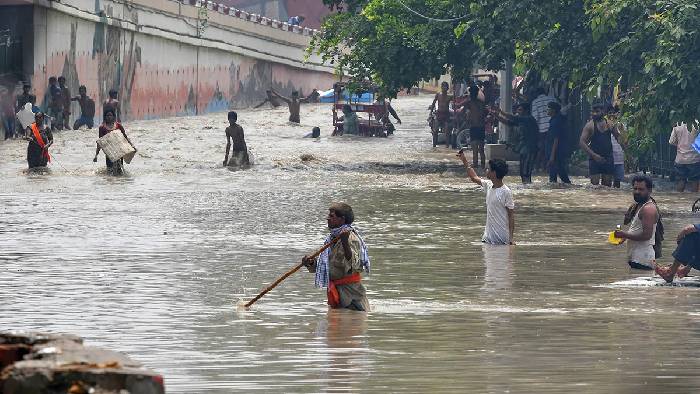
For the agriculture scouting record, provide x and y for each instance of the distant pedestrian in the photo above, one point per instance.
(349, 120)
(540, 111)
(557, 149)
(596, 142)
(54, 104)
(87, 110)
(294, 104)
(65, 103)
(500, 208)
(7, 114)
(687, 162)
(113, 103)
(40, 139)
(25, 98)
(526, 137)
(235, 139)
(296, 20)
(618, 149)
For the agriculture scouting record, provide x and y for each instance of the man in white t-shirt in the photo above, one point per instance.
(687, 158)
(500, 208)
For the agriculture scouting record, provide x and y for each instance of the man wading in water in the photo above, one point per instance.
(40, 139)
(500, 208)
(596, 141)
(110, 124)
(641, 235)
(338, 268)
(294, 104)
(239, 154)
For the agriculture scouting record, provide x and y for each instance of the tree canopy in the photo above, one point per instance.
(651, 48)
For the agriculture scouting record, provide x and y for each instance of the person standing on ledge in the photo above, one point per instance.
(500, 208)
(338, 268)
(294, 104)
(239, 153)
(40, 139)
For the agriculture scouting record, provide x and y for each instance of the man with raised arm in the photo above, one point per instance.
(500, 208)
(294, 104)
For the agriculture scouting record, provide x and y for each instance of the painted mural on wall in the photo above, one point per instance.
(156, 77)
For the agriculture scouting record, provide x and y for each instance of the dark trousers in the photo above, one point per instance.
(688, 250)
(527, 163)
(560, 168)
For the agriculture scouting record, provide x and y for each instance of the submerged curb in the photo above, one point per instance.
(40, 363)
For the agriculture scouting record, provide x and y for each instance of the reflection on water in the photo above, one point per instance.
(155, 262)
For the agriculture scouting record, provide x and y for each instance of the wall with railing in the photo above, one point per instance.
(170, 58)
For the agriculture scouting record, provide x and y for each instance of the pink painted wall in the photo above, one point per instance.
(155, 77)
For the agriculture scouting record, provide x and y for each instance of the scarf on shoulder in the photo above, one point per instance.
(322, 265)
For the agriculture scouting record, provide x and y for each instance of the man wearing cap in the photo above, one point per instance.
(338, 268)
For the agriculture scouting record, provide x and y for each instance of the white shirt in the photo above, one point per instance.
(683, 140)
(498, 201)
(618, 153)
(540, 106)
(641, 252)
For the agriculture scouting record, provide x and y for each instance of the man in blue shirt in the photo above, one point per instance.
(557, 145)
(686, 255)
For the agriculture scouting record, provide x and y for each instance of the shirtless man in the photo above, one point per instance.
(476, 108)
(65, 101)
(597, 143)
(294, 103)
(87, 110)
(113, 103)
(234, 132)
(442, 115)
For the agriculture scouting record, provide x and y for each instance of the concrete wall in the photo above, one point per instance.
(167, 58)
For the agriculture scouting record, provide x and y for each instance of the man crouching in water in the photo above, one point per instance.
(642, 218)
(338, 268)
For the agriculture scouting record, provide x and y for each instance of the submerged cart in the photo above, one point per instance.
(364, 101)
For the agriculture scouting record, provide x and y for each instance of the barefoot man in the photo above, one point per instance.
(338, 268)
(641, 235)
(686, 256)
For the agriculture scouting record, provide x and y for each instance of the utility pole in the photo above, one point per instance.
(506, 104)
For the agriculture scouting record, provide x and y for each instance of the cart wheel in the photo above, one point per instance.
(696, 205)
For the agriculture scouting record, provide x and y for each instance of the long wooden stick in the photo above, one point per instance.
(291, 271)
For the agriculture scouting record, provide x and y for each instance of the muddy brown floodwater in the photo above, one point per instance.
(154, 264)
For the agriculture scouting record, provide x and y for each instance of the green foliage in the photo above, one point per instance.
(650, 47)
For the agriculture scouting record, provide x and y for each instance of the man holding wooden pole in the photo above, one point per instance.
(338, 268)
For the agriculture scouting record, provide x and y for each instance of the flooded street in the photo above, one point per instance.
(154, 264)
